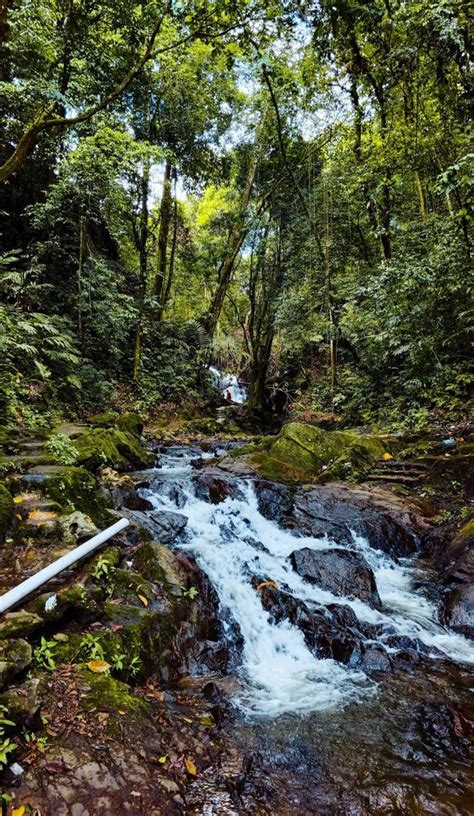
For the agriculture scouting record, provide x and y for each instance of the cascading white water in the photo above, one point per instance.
(232, 541)
(229, 384)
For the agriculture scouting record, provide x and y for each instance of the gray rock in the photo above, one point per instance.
(15, 656)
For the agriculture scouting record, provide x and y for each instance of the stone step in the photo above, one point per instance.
(396, 478)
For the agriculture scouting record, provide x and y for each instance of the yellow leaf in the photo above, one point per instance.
(122, 712)
(207, 719)
(162, 759)
(186, 719)
(98, 666)
(387, 457)
(18, 500)
(264, 584)
(18, 811)
(190, 767)
(143, 600)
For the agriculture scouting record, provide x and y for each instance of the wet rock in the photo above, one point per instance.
(342, 572)
(76, 528)
(164, 525)
(336, 511)
(214, 488)
(19, 624)
(53, 606)
(322, 634)
(375, 659)
(15, 657)
(458, 609)
(275, 500)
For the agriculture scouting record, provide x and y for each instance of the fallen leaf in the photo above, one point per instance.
(18, 811)
(17, 500)
(186, 719)
(162, 759)
(98, 666)
(387, 457)
(144, 600)
(264, 584)
(207, 719)
(190, 767)
(122, 712)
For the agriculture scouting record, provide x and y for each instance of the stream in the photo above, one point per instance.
(342, 732)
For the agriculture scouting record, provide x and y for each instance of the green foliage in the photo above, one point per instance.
(44, 654)
(63, 449)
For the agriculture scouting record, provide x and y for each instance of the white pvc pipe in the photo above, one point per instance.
(13, 596)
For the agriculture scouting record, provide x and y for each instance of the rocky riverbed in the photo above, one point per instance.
(263, 638)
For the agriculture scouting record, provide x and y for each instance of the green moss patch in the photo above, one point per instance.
(110, 447)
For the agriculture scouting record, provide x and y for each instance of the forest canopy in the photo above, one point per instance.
(283, 189)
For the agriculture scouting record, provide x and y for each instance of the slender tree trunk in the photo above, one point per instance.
(174, 240)
(236, 239)
(4, 66)
(163, 233)
(421, 195)
(143, 268)
(80, 269)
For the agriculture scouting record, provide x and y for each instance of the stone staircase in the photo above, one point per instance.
(394, 471)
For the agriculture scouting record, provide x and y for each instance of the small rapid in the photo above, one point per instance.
(233, 543)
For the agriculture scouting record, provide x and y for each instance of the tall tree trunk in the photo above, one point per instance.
(142, 236)
(163, 233)
(80, 270)
(174, 240)
(236, 239)
(4, 26)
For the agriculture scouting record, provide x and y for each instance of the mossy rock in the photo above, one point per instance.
(74, 488)
(157, 563)
(133, 423)
(107, 419)
(52, 606)
(107, 694)
(15, 657)
(19, 624)
(466, 533)
(110, 447)
(303, 452)
(7, 511)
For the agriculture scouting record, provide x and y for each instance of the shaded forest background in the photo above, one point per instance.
(283, 189)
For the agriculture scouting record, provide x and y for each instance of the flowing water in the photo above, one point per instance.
(232, 542)
(230, 386)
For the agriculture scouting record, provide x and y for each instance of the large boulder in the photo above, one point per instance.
(304, 452)
(342, 572)
(76, 527)
(164, 525)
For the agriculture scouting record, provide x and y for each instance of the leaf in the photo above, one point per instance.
(264, 584)
(98, 666)
(19, 811)
(144, 600)
(190, 767)
(387, 457)
(162, 759)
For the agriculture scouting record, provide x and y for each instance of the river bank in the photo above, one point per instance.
(212, 659)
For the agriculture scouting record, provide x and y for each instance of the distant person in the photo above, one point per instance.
(228, 396)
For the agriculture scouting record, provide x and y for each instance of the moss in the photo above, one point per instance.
(111, 447)
(105, 420)
(6, 511)
(75, 489)
(303, 452)
(15, 656)
(466, 533)
(130, 422)
(157, 563)
(107, 694)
